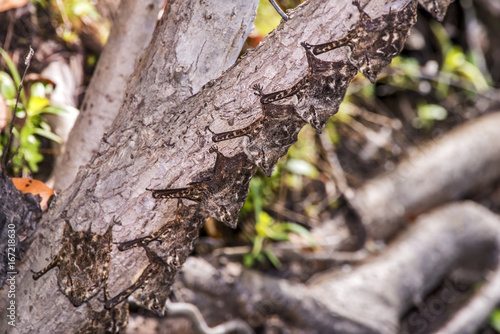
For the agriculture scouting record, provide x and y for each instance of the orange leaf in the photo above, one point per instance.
(34, 187)
(9, 4)
(254, 39)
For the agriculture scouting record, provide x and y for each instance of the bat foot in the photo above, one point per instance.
(258, 89)
(306, 46)
(214, 149)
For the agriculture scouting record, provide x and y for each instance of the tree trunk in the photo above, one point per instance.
(181, 71)
(131, 32)
(162, 138)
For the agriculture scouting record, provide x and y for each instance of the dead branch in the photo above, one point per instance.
(372, 297)
(441, 171)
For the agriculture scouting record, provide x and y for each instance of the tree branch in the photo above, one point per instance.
(441, 171)
(372, 297)
(105, 181)
(160, 139)
(130, 34)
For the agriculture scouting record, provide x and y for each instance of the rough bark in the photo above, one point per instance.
(160, 140)
(175, 74)
(18, 216)
(379, 292)
(131, 33)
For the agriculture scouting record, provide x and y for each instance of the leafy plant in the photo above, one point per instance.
(427, 114)
(30, 124)
(458, 71)
(73, 15)
(267, 228)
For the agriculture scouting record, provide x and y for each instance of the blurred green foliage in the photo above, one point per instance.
(30, 122)
(267, 18)
(495, 320)
(266, 227)
(457, 72)
(69, 17)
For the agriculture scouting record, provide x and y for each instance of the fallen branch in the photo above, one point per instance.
(372, 297)
(193, 313)
(444, 170)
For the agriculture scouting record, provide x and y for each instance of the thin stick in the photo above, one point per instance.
(279, 10)
(27, 62)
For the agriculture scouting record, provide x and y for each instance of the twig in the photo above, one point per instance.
(334, 163)
(279, 10)
(472, 32)
(5, 159)
(285, 213)
(191, 311)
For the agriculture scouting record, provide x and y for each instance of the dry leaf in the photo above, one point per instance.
(34, 187)
(9, 4)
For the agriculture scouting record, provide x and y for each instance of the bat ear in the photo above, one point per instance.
(68, 229)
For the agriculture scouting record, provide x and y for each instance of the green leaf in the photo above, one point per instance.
(277, 233)
(257, 245)
(248, 260)
(85, 8)
(36, 104)
(7, 87)
(37, 90)
(495, 320)
(33, 158)
(29, 150)
(272, 258)
(263, 222)
(256, 185)
(66, 111)
(302, 231)
(25, 133)
(432, 112)
(11, 66)
(47, 134)
(14, 73)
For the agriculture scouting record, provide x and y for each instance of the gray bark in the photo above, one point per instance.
(160, 139)
(131, 33)
(114, 182)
